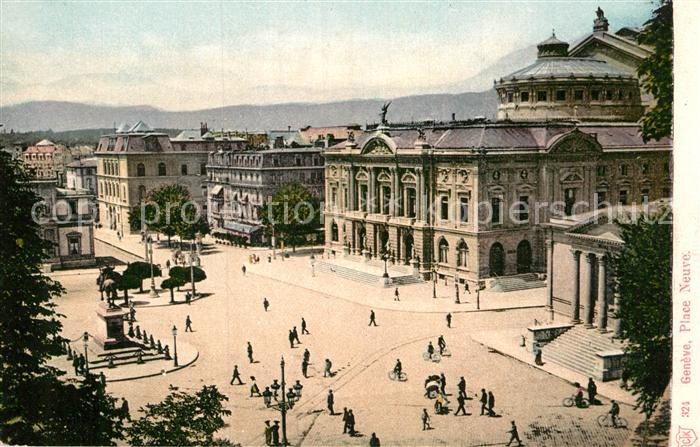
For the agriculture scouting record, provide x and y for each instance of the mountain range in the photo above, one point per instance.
(479, 100)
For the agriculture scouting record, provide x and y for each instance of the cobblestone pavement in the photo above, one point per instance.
(361, 356)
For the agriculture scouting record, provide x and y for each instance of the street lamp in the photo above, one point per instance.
(192, 268)
(86, 338)
(457, 289)
(313, 264)
(153, 293)
(175, 346)
(385, 258)
(434, 275)
(283, 407)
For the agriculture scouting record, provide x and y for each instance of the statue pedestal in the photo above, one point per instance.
(110, 327)
(414, 265)
(366, 255)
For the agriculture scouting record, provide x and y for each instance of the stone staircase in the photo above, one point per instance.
(577, 349)
(517, 282)
(366, 277)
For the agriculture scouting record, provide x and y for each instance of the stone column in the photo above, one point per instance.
(351, 189)
(602, 295)
(550, 276)
(576, 301)
(615, 323)
(419, 194)
(371, 193)
(586, 292)
(392, 194)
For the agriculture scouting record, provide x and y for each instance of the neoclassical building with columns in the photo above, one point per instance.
(473, 199)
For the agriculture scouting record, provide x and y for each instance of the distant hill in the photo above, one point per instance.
(61, 116)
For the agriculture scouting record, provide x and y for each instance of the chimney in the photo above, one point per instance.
(203, 128)
(453, 116)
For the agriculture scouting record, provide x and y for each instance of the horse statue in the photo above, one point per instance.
(108, 283)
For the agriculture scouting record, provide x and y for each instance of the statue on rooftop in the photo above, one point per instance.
(385, 109)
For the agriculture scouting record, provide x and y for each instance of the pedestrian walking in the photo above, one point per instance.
(466, 287)
(103, 380)
(243, 270)
(276, 433)
(303, 327)
(372, 319)
(254, 389)
(351, 423)
(484, 401)
(188, 298)
(132, 312)
(329, 402)
(441, 344)
(268, 433)
(460, 401)
(592, 391)
(426, 420)
(235, 376)
(267, 396)
(296, 335)
(345, 420)
(374, 441)
(396, 294)
(327, 370)
(449, 320)
(462, 387)
(443, 383)
(291, 339)
(188, 324)
(167, 264)
(250, 352)
(492, 404)
(307, 355)
(514, 434)
(76, 364)
(125, 409)
(266, 304)
(305, 368)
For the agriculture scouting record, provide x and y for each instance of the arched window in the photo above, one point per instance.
(462, 254)
(140, 170)
(334, 231)
(161, 169)
(443, 248)
(142, 193)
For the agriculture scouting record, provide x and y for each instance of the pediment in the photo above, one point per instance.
(574, 142)
(362, 175)
(379, 145)
(383, 177)
(408, 178)
(572, 177)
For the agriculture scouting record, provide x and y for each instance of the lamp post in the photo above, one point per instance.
(434, 275)
(478, 290)
(274, 242)
(153, 293)
(283, 408)
(192, 268)
(86, 338)
(385, 258)
(456, 289)
(175, 346)
(313, 264)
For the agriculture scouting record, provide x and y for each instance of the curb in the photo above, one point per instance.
(123, 250)
(167, 371)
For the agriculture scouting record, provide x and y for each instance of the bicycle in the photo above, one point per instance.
(605, 420)
(435, 357)
(571, 401)
(401, 378)
(446, 352)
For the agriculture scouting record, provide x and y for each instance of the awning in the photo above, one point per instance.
(216, 190)
(241, 228)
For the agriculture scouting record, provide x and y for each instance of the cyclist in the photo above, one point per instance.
(614, 413)
(397, 369)
(579, 395)
(441, 344)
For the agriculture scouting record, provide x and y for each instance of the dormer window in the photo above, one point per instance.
(595, 95)
(541, 96)
(578, 95)
(608, 95)
(561, 95)
(510, 96)
(524, 96)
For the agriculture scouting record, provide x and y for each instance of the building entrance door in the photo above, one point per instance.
(524, 257)
(497, 260)
(408, 248)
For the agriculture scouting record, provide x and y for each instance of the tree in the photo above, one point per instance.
(643, 280)
(142, 270)
(36, 407)
(182, 274)
(293, 212)
(126, 282)
(656, 72)
(171, 283)
(182, 419)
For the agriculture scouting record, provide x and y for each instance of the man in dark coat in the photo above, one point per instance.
(345, 420)
(236, 376)
(188, 324)
(327, 370)
(462, 386)
(449, 320)
(374, 441)
(268, 433)
(296, 334)
(250, 352)
(514, 434)
(266, 304)
(304, 368)
(291, 339)
(484, 401)
(351, 423)
(460, 400)
(372, 319)
(592, 391)
(276, 433)
(125, 409)
(492, 403)
(303, 326)
(329, 401)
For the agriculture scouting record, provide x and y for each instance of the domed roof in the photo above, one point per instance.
(557, 67)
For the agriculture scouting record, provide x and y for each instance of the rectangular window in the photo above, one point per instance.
(524, 96)
(624, 169)
(561, 95)
(411, 202)
(667, 168)
(496, 210)
(569, 200)
(363, 198)
(645, 168)
(600, 198)
(541, 96)
(183, 169)
(623, 197)
(524, 208)
(595, 95)
(203, 169)
(609, 95)
(334, 197)
(464, 209)
(386, 199)
(510, 96)
(73, 245)
(444, 208)
(601, 170)
(578, 95)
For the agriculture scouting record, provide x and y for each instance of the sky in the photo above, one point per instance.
(191, 55)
